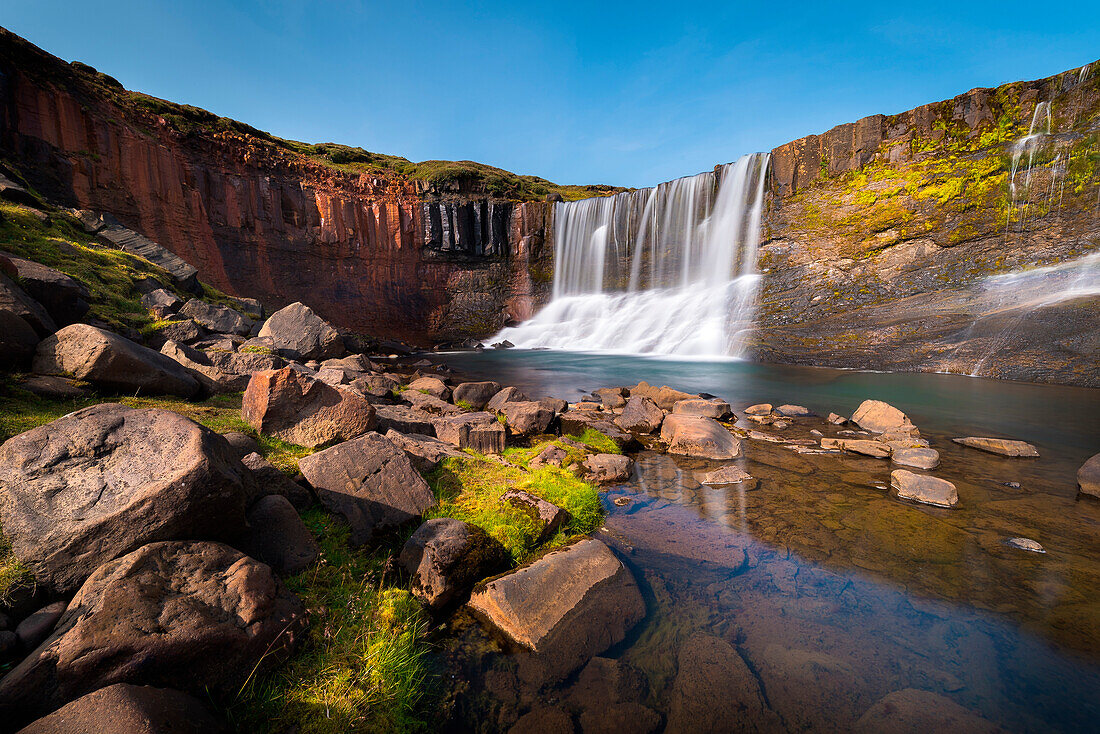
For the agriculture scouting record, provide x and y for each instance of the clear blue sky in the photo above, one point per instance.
(625, 93)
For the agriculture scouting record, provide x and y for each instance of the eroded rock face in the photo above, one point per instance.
(370, 482)
(111, 361)
(104, 480)
(296, 328)
(446, 557)
(1002, 446)
(704, 438)
(195, 616)
(641, 415)
(300, 409)
(123, 708)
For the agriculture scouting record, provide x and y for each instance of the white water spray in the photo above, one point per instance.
(666, 270)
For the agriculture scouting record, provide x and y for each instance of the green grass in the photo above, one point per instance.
(465, 405)
(597, 442)
(12, 571)
(362, 666)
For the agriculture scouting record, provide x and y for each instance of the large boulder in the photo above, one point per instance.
(565, 607)
(128, 709)
(370, 482)
(64, 298)
(429, 403)
(14, 299)
(17, 341)
(526, 418)
(197, 616)
(375, 388)
(278, 537)
(99, 482)
(507, 395)
(111, 361)
(300, 409)
(475, 394)
(220, 372)
(923, 488)
(446, 557)
(879, 417)
(715, 691)
(641, 415)
(915, 711)
(219, 319)
(425, 452)
(1088, 477)
(703, 438)
(297, 329)
(161, 303)
(430, 386)
(478, 431)
(576, 422)
(1001, 446)
(611, 398)
(665, 397)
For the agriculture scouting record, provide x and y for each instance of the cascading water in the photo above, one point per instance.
(665, 270)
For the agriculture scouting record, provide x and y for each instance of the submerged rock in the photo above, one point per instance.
(793, 411)
(1002, 446)
(715, 692)
(875, 449)
(917, 458)
(912, 710)
(445, 557)
(1025, 544)
(923, 488)
(731, 474)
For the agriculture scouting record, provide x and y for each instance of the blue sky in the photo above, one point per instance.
(624, 93)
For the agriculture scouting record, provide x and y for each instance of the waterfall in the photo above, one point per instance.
(664, 270)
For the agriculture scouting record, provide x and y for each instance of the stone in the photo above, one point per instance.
(876, 449)
(374, 386)
(667, 397)
(566, 607)
(446, 557)
(793, 411)
(926, 459)
(707, 408)
(242, 443)
(546, 514)
(370, 482)
(128, 709)
(604, 682)
(1088, 477)
(924, 488)
(481, 432)
(15, 299)
(181, 332)
(506, 395)
(300, 409)
(272, 481)
(197, 616)
(620, 717)
(1025, 544)
(18, 341)
(576, 422)
(278, 537)
(432, 386)
(63, 297)
(550, 455)
(37, 627)
(731, 474)
(608, 468)
(715, 691)
(1002, 446)
(425, 452)
(161, 303)
(185, 276)
(836, 420)
(879, 417)
(220, 372)
(475, 394)
(916, 711)
(430, 403)
(99, 482)
(704, 438)
(54, 388)
(333, 377)
(298, 329)
(404, 419)
(350, 363)
(611, 398)
(111, 361)
(557, 406)
(641, 415)
(759, 409)
(219, 319)
(526, 418)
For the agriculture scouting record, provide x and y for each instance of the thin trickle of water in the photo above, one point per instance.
(665, 270)
(1030, 144)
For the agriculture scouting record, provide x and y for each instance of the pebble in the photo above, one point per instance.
(622, 501)
(1025, 544)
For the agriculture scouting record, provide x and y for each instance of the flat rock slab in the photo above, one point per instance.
(924, 488)
(1002, 446)
(445, 557)
(129, 709)
(300, 409)
(566, 607)
(370, 482)
(99, 482)
(704, 438)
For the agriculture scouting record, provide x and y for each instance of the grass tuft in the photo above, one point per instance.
(597, 442)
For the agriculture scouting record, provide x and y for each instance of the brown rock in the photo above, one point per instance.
(668, 397)
(242, 443)
(546, 514)
(876, 449)
(507, 395)
(429, 403)
(296, 328)
(731, 474)
(556, 406)
(526, 418)
(759, 409)
(432, 386)
(1002, 446)
(425, 452)
(375, 386)
(641, 415)
(879, 417)
(220, 372)
(278, 537)
(481, 432)
(927, 459)
(54, 388)
(704, 438)
(610, 397)
(714, 691)
(17, 341)
(219, 319)
(608, 468)
(15, 300)
(37, 627)
(1088, 477)
(63, 298)
(161, 303)
(836, 420)
(128, 709)
(404, 419)
(446, 557)
(793, 411)
(271, 480)
(302, 410)
(707, 408)
(476, 394)
(543, 720)
(924, 488)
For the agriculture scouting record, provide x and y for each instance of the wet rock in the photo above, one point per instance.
(296, 328)
(731, 474)
(478, 431)
(707, 408)
(99, 482)
(927, 459)
(431, 386)
(300, 409)
(924, 488)
(703, 438)
(278, 537)
(641, 415)
(271, 480)
(476, 394)
(608, 468)
(1088, 477)
(620, 717)
(241, 443)
(543, 720)
(565, 607)
(161, 303)
(609, 694)
(611, 398)
(714, 691)
(111, 361)
(1002, 446)
(37, 627)
(759, 409)
(879, 417)
(219, 319)
(806, 687)
(404, 419)
(446, 557)
(370, 482)
(545, 514)
(196, 616)
(1025, 544)
(425, 452)
(907, 434)
(875, 449)
(836, 420)
(526, 418)
(129, 709)
(912, 710)
(15, 299)
(793, 411)
(506, 395)
(17, 341)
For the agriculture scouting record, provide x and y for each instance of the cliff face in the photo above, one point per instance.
(373, 251)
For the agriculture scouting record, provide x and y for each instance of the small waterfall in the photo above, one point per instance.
(1029, 145)
(664, 270)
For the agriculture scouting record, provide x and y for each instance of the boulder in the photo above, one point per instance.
(99, 482)
(129, 709)
(565, 608)
(219, 319)
(836, 420)
(404, 419)
(430, 403)
(608, 468)
(924, 488)
(374, 386)
(641, 415)
(704, 438)
(731, 474)
(15, 300)
(475, 394)
(446, 557)
(879, 417)
(667, 397)
(161, 303)
(38, 626)
(481, 432)
(52, 387)
(576, 422)
(297, 329)
(220, 372)
(1002, 446)
(1088, 477)
(425, 452)
(759, 409)
(334, 377)
(181, 332)
(715, 691)
(300, 409)
(506, 395)
(431, 386)
(916, 711)
(876, 449)
(278, 537)
(17, 341)
(550, 455)
(111, 361)
(926, 459)
(241, 443)
(556, 406)
(370, 482)
(611, 398)
(707, 408)
(64, 298)
(198, 616)
(350, 363)
(793, 411)
(545, 514)
(526, 418)
(271, 481)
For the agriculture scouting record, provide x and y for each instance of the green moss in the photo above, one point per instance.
(464, 404)
(597, 441)
(13, 573)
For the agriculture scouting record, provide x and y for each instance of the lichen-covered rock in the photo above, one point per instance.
(296, 328)
(640, 415)
(431, 386)
(292, 405)
(128, 709)
(446, 557)
(1002, 446)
